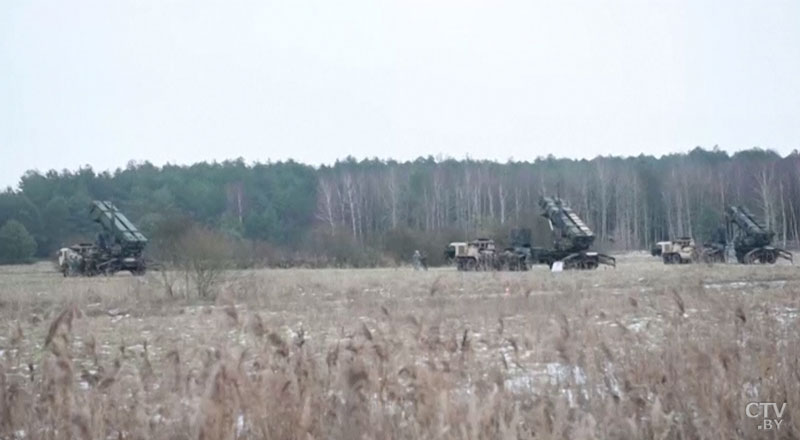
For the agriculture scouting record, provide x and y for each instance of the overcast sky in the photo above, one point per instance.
(104, 82)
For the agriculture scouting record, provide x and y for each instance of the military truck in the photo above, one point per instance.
(518, 255)
(482, 254)
(684, 250)
(752, 242)
(474, 255)
(119, 246)
(572, 239)
(658, 248)
(679, 251)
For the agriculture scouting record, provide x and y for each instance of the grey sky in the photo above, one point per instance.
(103, 82)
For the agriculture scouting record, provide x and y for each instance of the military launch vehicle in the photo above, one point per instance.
(573, 239)
(752, 242)
(119, 246)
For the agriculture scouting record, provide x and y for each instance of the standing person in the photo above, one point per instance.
(419, 261)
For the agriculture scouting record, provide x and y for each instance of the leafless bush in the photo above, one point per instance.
(344, 354)
(166, 251)
(204, 255)
(195, 253)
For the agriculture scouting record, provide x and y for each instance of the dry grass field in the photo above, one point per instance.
(643, 351)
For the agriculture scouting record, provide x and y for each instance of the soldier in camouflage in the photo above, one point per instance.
(419, 261)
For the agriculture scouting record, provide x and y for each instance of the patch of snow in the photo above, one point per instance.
(766, 284)
(613, 383)
(751, 390)
(638, 324)
(240, 425)
(558, 373)
(570, 398)
(577, 373)
(786, 315)
(522, 383)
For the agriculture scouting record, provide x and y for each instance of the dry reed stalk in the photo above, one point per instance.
(220, 404)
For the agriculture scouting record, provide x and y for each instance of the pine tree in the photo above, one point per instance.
(16, 244)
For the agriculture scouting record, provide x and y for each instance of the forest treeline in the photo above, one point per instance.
(374, 212)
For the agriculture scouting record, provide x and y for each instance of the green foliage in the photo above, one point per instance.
(368, 212)
(272, 202)
(54, 215)
(264, 225)
(19, 207)
(709, 220)
(16, 244)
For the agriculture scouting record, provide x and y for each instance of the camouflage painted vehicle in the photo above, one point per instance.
(658, 248)
(481, 254)
(518, 255)
(679, 251)
(474, 255)
(119, 246)
(572, 239)
(752, 242)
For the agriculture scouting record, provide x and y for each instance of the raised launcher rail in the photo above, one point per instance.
(121, 244)
(752, 242)
(117, 225)
(573, 238)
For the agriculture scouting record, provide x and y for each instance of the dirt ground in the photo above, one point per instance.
(642, 351)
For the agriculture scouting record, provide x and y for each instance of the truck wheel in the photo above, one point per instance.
(139, 271)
